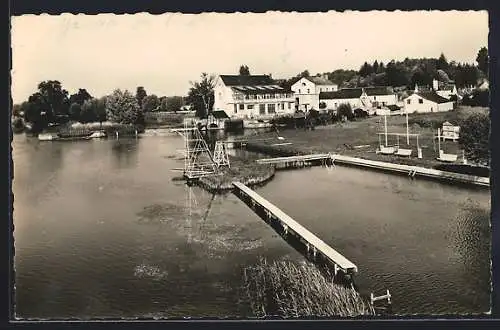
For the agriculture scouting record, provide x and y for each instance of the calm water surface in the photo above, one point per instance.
(103, 230)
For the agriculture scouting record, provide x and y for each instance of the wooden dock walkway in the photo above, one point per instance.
(291, 159)
(412, 171)
(292, 227)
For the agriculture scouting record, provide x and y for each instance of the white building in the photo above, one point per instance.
(307, 89)
(368, 97)
(427, 102)
(252, 97)
(446, 90)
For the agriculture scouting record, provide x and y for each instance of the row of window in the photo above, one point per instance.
(271, 107)
(321, 89)
(262, 96)
(421, 101)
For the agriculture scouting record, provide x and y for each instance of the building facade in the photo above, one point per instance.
(252, 97)
(427, 102)
(368, 97)
(446, 90)
(307, 90)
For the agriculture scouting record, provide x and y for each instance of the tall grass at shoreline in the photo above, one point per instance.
(286, 289)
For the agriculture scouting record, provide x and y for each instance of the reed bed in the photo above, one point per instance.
(286, 289)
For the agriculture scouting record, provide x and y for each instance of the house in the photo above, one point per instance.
(428, 101)
(307, 90)
(366, 98)
(217, 118)
(252, 96)
(381, 96)
(445, 89)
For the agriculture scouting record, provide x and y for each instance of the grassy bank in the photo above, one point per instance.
(360, 139)
(244, 170)
(76, 130)
(289, 290)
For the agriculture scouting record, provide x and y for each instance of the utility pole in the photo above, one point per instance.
(407, 129)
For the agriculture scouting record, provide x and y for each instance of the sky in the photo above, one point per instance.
(165, 52)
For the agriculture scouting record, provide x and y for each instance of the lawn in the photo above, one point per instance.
(360, 139)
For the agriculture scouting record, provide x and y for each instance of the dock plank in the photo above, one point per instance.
(341, 261)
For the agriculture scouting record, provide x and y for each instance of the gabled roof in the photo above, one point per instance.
(238, 80)
(393, 107)
(345, 93)
(219, 114)
(320, 81)
(432, 96)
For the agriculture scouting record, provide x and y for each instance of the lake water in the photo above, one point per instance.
(103, 229)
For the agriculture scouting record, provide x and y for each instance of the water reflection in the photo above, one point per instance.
(125, 152)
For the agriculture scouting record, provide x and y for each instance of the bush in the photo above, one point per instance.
(345, 111)
(18, 125)
(474, 138)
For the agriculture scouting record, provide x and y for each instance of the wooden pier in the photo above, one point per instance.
(318, 248)
(297, 161)
(411, 171)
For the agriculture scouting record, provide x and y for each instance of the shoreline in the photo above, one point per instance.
(391, 167)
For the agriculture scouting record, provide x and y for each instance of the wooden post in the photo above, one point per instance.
(385, 129)
(407, 129)
(116, 133)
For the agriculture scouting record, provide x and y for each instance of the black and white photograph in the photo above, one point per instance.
(251, 165)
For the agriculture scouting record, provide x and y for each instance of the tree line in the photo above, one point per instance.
(406, 73)
(52, 104)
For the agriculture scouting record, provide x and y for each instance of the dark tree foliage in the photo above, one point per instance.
(244, 70)
(201, 95)
(140, 94)
(474, 138)
(80, 97)
(345, 111)
(482, 60)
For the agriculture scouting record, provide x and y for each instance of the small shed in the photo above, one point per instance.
(217, 117)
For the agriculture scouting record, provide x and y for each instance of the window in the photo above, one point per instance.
(308, 91)
(420, 101)
(235, 108)
(262, 109)
(408, 101)
(250, 106)
(271, 108)
(320, 89)
(374, 98)
(282, 106)
(242, 106)
(289, 106)
(299, 90)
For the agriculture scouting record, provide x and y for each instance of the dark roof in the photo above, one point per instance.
(378, 91)
(219, 114)
(345, 93)
(237, 80)
(320, 81)
(433, 96)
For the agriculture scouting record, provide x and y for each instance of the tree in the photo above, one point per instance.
(163, 103)
(244, 71)
(482, 60)
(122, 107)
(174, 103)
(74, 111)
(442, 63)
(201, 95)
(140, 94)
(150, 103)
(100, 109)
(474, 137)
(54, 98)
(365, 70)
(375, 66)
(304, 74)
(80, 97)
(17, 110)
(88, 113)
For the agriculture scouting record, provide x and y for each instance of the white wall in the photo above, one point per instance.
(333, 104)
(425, 106)
(326, 88)
(305, 91)
(390, 99)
